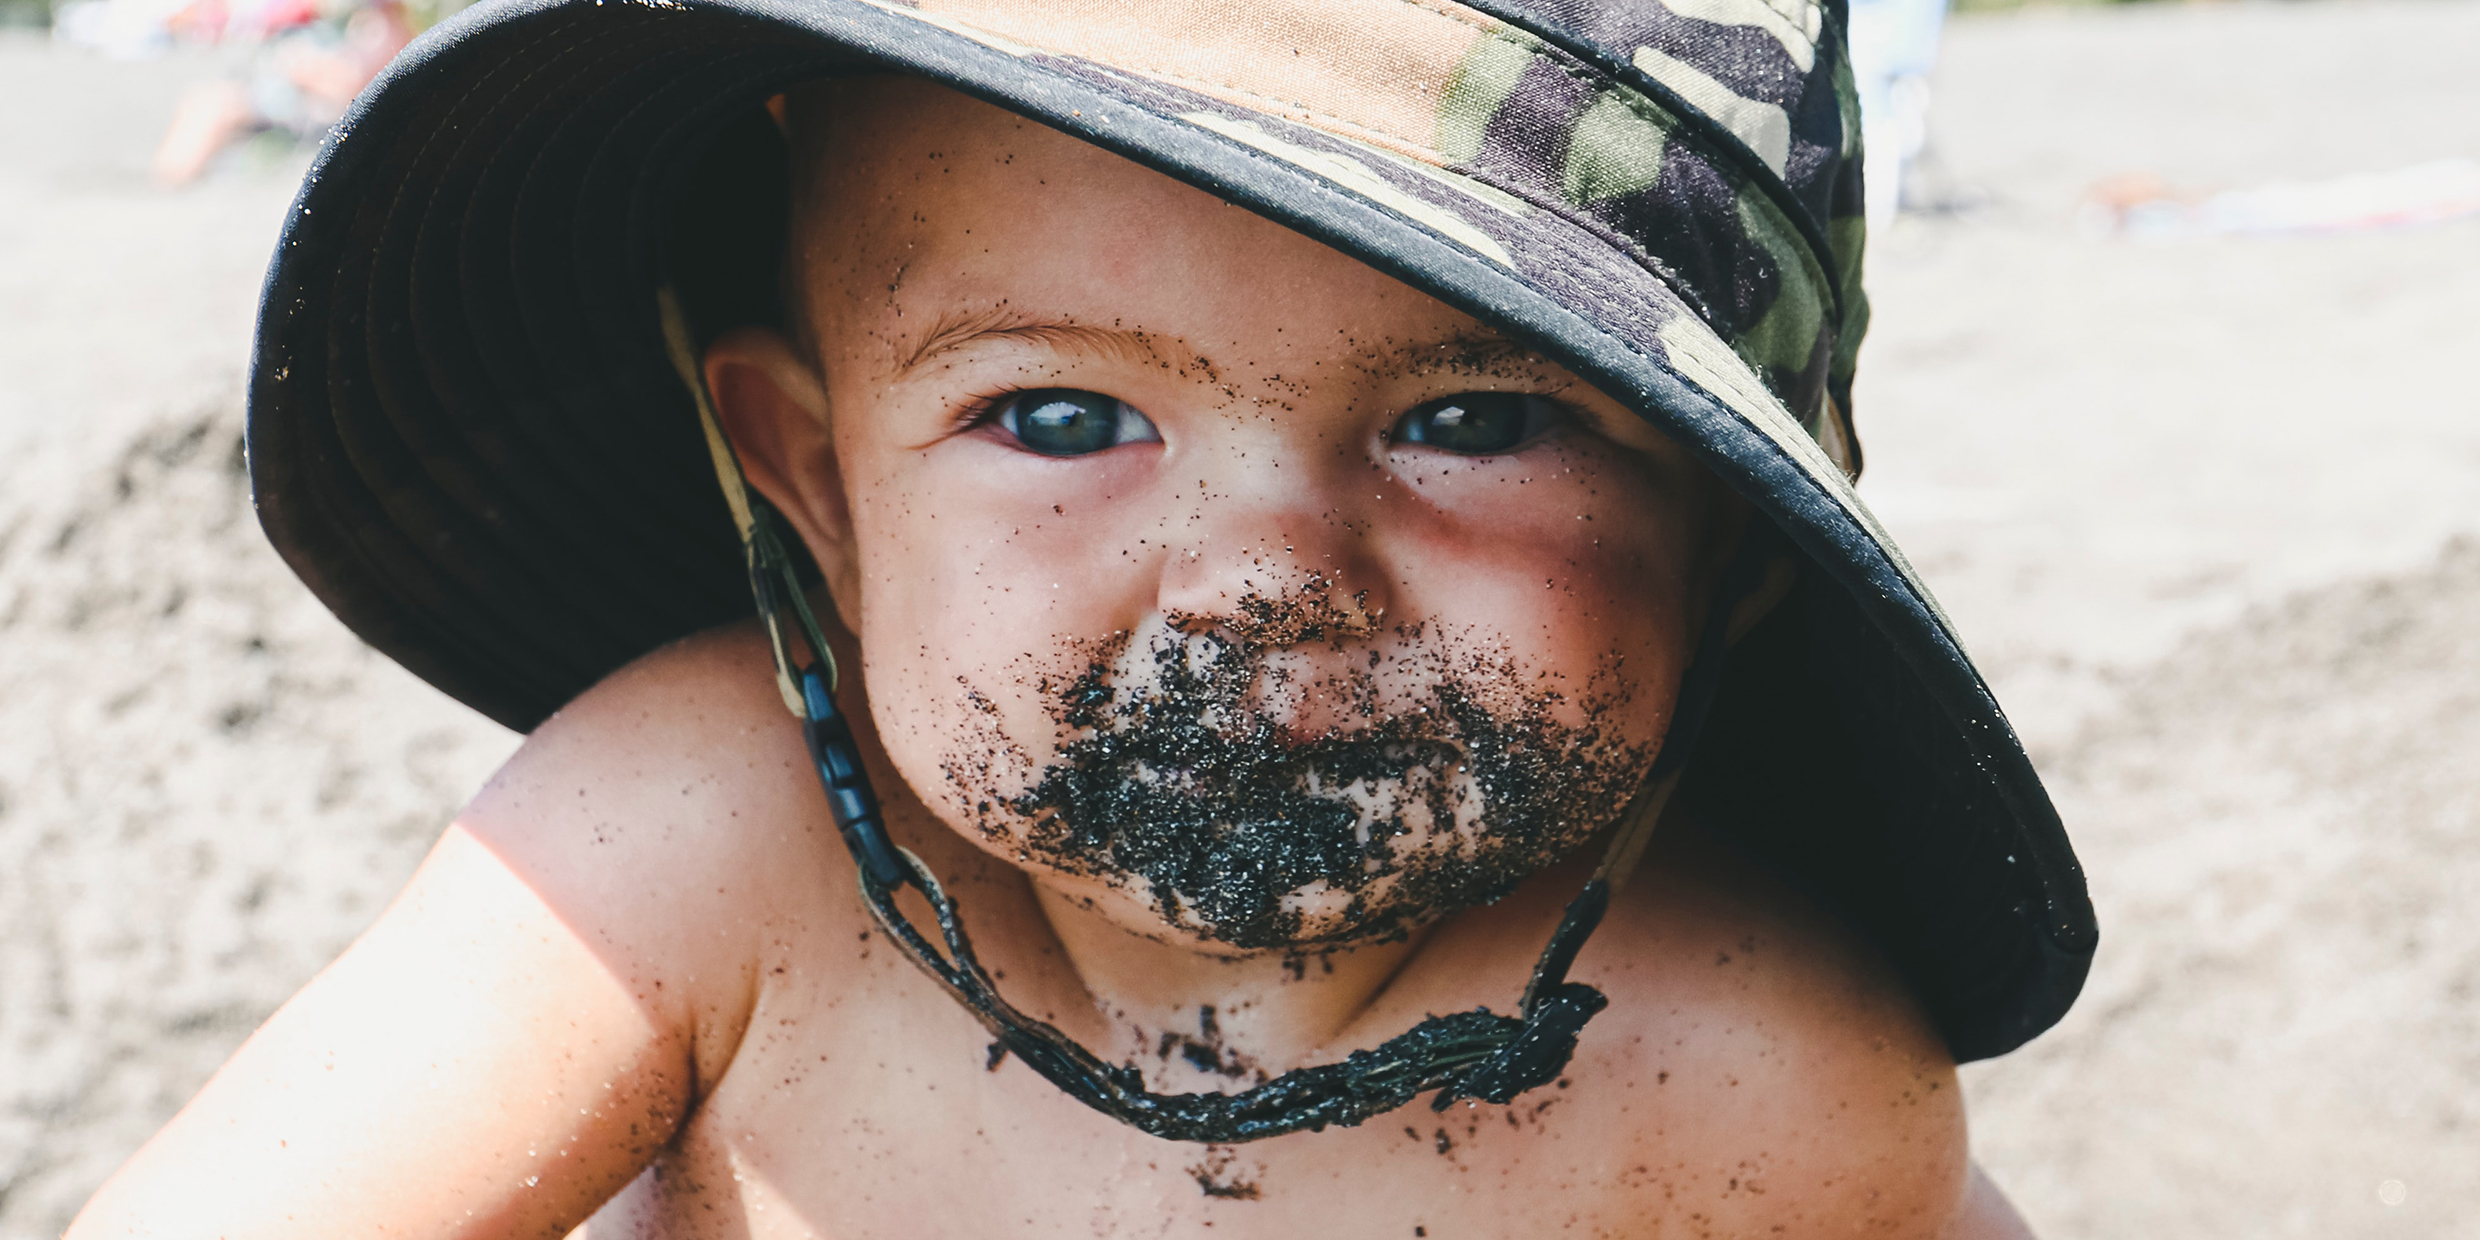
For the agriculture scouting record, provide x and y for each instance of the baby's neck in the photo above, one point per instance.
(1182, 1012)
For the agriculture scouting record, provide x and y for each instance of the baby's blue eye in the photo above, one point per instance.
(1067, 422)
(1478, 423)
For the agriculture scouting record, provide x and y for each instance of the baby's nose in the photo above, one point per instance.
(1305, 611)
(1270, 575)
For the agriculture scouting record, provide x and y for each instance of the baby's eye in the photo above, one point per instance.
(1478, 423)
(1067, 422)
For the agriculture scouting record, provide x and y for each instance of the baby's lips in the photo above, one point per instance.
(1300, 699)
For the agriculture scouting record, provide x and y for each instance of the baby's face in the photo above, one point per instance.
(1229, 586)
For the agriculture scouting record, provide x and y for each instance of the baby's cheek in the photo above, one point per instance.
(1586, 568)
(964, 657)
(934, 641)
(998, 555)
(955, 743)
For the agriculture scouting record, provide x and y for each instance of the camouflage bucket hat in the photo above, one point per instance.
(467, 438)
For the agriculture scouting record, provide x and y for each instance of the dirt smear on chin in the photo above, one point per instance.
(1446, 780)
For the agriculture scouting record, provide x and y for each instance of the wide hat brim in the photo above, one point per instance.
(465, 437)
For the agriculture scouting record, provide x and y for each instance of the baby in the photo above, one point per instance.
(1254, 656)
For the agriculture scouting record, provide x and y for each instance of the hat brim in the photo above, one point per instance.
(465, 438)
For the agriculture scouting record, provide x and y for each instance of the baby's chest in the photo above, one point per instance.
(1727, 1091)
(896, 1126)
(904, 1132)
(866, 1163)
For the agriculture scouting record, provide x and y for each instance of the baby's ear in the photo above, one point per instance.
(1780, 572)
(773, 406)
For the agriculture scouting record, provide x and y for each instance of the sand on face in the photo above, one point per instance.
(2194, 505)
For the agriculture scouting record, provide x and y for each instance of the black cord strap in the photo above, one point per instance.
(1470, 1054)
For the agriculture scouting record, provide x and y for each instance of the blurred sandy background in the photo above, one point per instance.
(2207, 508)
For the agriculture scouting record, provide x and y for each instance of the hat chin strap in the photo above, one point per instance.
(1477, 1054)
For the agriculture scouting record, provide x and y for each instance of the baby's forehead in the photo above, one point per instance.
(926, 223)
(870, 155)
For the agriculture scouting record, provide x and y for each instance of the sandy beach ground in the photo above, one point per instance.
(2208, 510)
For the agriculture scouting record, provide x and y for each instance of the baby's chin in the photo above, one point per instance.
(1236, 912)
(1320, 917)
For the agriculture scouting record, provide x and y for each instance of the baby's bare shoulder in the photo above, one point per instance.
(1772, 1065)
(669, 814)
(685, 760)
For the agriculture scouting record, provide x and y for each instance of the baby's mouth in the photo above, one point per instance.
(1173, 779)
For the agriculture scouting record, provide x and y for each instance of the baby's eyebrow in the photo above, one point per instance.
(1473, 352)
(955, 331)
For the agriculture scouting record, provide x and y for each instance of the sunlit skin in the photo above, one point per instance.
(634, 984)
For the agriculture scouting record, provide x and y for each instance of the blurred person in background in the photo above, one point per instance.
(317, 55)
(1893, 47)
